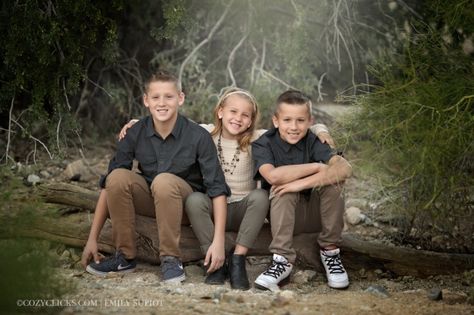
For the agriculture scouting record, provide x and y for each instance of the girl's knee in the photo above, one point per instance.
(196, 202)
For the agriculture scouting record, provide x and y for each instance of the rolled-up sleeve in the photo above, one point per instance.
(262, 154)
(213, 177)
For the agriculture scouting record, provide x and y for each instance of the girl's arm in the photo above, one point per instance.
(100, 216)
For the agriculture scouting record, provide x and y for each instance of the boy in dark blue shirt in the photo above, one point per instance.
(306, 179)
(175, 157)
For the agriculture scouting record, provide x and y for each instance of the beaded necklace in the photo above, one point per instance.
(226, 166)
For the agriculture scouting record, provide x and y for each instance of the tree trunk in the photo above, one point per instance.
(73, 229)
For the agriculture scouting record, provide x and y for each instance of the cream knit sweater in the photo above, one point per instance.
(241, 181)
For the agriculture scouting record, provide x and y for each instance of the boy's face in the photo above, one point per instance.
(292, 121)
(162, 100)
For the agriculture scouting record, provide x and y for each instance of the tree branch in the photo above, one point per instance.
(203, 42)
(232, 57)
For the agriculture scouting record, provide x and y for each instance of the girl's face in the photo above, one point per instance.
(236, 115)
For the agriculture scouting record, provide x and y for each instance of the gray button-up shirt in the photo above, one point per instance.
(187, 152)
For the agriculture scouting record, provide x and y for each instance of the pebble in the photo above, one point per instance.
(435, 294)
(377, 290)
(33, 179)
(354, 215)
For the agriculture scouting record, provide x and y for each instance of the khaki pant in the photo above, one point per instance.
(128, 194)
(293, 213)
(245, 217)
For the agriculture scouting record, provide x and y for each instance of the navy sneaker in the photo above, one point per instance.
(115, 263)
(172, 269)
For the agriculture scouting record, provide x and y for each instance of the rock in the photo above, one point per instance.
(303, 276)
(377, 290)
(45, 174)
(78, 170)
(354, 216)
(435, 294)
(33, 179)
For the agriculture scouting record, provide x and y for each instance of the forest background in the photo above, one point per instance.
(72, 72)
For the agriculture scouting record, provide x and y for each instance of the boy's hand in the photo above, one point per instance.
(325, 137)
(215, 257)
(278, 190)
(90, 251)
(128, 125)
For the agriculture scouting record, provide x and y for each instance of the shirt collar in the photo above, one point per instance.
(285, 146)
(178, 126)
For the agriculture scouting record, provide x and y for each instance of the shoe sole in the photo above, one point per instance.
(91, 270)
(275, 287)
(336, 285)
(175, 280)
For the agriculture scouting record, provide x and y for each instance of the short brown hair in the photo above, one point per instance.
(293, 97)
(162, 76)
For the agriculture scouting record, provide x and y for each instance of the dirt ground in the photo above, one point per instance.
(142, 292)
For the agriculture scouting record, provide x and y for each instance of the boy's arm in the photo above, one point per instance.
(336, 171)
(288, 173)
(216, 252)
(100, 216)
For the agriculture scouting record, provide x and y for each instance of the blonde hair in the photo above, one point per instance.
(244, 138)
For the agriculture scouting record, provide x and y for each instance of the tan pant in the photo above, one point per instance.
(292, 214)
(128, 194)
(245, 217)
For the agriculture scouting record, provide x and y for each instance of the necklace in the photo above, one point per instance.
(226, 166)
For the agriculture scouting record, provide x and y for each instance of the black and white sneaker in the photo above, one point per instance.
(115, 263)
(335, 272)
(277, 273)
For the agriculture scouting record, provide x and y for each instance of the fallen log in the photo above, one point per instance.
(73, 230)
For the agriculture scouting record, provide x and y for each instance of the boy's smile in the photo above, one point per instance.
(162, 100)
(292, 121)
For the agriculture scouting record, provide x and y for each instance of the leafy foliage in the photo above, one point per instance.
(45, 45)
(420, 121)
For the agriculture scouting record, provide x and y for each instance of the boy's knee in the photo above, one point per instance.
(163, 184)
(332, 190)
(119, 178)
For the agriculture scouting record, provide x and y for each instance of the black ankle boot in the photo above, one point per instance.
(218, 276)
(238, 272)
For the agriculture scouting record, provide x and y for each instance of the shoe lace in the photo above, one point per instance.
(275, 270)
(334, 263)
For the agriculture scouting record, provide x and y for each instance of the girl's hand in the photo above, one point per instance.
(325, 137)
(215, 257)
(128, 125)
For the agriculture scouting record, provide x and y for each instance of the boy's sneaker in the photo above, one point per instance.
(115, 263)
(276, 274)
(172, 269)
(337, 276)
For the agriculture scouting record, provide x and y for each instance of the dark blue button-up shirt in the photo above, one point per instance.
(187, 152)
(270, 148)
